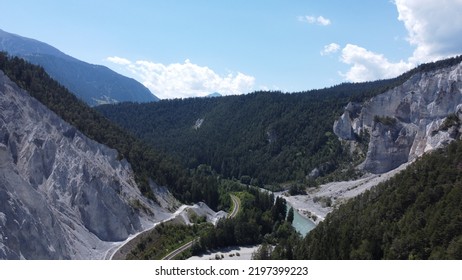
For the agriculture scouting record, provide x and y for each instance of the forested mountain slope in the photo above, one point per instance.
(147, 163)
(270, 136)
(415, 215)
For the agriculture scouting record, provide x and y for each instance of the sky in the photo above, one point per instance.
(188, 48)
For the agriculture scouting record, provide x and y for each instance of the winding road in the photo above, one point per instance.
(184, 247)
(236, 204)
(111, 252)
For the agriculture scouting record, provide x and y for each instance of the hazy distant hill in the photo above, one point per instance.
(94, 84)
(215, 94)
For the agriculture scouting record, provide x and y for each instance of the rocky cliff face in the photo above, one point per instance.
(407, 121)
(62, 195)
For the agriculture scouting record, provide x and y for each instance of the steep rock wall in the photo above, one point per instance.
(405, 122)
(62, 195)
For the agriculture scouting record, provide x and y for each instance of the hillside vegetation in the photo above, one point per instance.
(269, 137)
(146, 162)
(415, 215)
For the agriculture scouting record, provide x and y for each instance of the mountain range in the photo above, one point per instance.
(77, 185)
(95, 84)
(263, 133)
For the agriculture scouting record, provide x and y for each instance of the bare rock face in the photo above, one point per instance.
(62, 195)
(389, 148)
(406, 121)
(343, 127)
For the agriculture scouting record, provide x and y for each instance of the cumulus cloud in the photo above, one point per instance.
(434, 27)
(330, 49)
(320, 20)
(180, 80)
(434, 30)
(368, 66)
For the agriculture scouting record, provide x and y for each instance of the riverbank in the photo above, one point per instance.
(320, 201)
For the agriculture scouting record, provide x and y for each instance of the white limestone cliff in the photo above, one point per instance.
(62, 195)
(405, 122)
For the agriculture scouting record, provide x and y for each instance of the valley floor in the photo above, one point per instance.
(119, 250)
(229, 253)
(315, 205)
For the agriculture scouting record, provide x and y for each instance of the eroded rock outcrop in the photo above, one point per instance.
(62, 195)
(407, 121)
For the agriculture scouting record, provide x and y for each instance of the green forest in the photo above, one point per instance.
(262, 219)
(415, 215)
(271, 137)
(186, 185)
(259, 215)
(266, 138)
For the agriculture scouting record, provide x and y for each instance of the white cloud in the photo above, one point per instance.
(434, 27)
(119, 60)
(368, 66)
(180, 80)
(320, 20)
(330, 49)
(434, 30)
(323, 21)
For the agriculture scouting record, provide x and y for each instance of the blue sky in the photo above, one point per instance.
(184, 48)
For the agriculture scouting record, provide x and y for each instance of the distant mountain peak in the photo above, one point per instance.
(215, 94)
(94, 84)
(17, 45)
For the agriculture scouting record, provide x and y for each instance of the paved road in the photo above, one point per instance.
(117, 245)
(176, 252)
